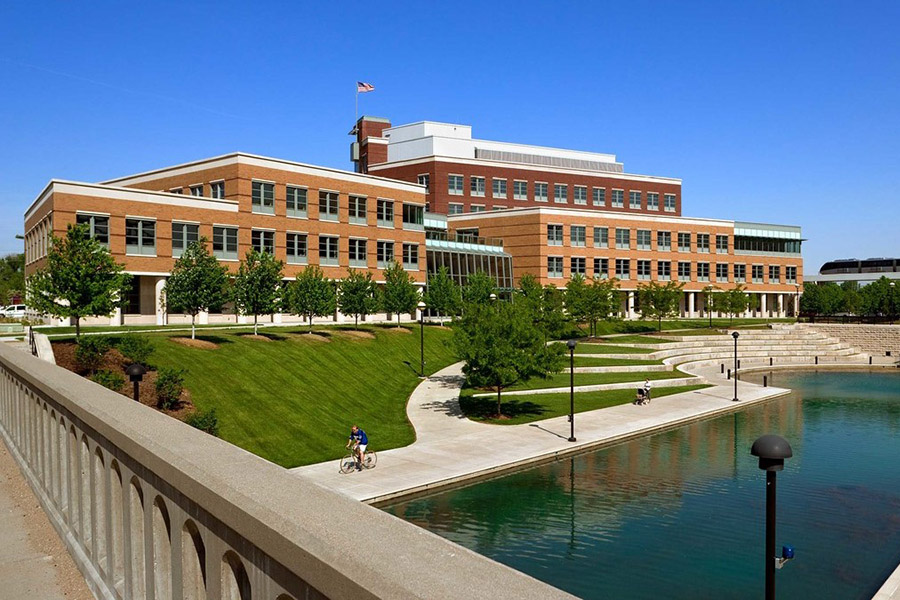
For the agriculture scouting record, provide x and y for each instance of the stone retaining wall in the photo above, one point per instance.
(876, 340)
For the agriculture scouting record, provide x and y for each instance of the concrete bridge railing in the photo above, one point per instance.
(151, 508)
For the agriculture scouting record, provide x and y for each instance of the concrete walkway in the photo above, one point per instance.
(450, 448)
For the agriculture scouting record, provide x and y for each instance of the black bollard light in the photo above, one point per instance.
(136, 373)
(571, 345)
(772, 450)
(735, 335)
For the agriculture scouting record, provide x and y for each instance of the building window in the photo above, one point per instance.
(576, 266)
(177, 190)
(520, 190)
(623, 268)
(577, 235)
(328, 250)
(425, 179)
(703, 271)
(358, 210)
(774, 274)
(498, 207)
(618, 199)
(499, 188)
(554, 266)
(560, 193)
(455, 185)
(98, 227)
(476, 208)
(476, 186)
(411, 257)
(601, 268)
(296, 248)
(328, 206)
(791, 274)
(384, 213)
(664, 241)
(263, 241)
(140, 237)
(721, 271)
(263, 198)
(357, 252)
(643, 269)
(643, 239)
(623, 238)
(183, 235)
(540, 192)
(225, 242)
(703, 243)
(384, 254)
(296, 201)
(601, 237)
(634, 200)
(217, 189)
(740, 273)
(454, 208)
(722, 244)
(580, 195)
(197, 190)
(652, 201)
(757, 273)
(684, 242)
(414, 217)
(663, 270)
(684, 271)
(599, 196)
(554, 235)
(670, 202)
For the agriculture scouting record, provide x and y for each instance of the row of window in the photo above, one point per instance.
(296, 205)
(644, 270)
(643, 238)
(140, 239)
(540, 193)
(216, 189)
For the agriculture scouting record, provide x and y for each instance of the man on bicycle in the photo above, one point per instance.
(359, 440)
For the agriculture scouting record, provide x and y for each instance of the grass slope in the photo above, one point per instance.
(292, 400)
(590, 361)
(586, 348)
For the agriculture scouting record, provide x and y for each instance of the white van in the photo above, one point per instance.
(14, 311)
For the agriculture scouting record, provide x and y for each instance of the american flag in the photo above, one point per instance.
(362, 86)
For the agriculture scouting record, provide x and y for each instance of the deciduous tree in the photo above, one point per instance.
(257, 286)
(443, 295)
(478, 288)
(359, 295)
(310, 295)
(659, 301)
(400, 293)
(198, 283)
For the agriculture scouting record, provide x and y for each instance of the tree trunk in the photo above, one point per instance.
(309, 317)
(355, 322)
(77, 327)
(398, 320)
(660, 323)
(498, 401)
(255, 327)
(193, 329)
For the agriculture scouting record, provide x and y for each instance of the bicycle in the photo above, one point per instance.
(350, 462)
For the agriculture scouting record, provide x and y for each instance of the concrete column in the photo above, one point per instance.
(690, 296)
(763, 305)
(780, 306)
(796, 305)
(277, 318)
(631, 313)
(203, 318)
(159, 300)
(116, 318)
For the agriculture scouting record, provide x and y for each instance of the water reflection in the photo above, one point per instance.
(684, 508)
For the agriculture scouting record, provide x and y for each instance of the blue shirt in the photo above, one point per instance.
(360, 436)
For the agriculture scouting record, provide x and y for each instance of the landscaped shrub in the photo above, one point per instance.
(108, 379)
(169, 384)
(135, 348)
(89, 352)
(205, 420)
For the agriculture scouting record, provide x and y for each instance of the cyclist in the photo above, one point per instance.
(359, 440)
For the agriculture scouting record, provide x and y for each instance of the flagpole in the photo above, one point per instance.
(357, 106)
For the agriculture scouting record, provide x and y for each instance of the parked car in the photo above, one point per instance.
(14, 311)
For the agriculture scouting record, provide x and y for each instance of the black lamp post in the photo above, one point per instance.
(797, 304)
(735, 335)
(772, 450)
(421, 306)
(571, 345)
(136, 373)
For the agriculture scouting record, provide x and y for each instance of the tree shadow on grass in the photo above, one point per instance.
(485, 407)
(214, 339)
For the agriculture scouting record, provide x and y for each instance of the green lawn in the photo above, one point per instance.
(634, 339)
(590, 361)
(292, 400)
(562, 379)
(638, 326)
(70, 330)
(585, 348)
(525, 409)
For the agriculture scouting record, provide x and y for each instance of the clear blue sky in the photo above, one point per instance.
(782, 112)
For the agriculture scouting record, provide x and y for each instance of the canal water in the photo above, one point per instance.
(681, 514)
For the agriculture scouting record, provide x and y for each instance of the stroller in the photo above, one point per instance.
(641, 397)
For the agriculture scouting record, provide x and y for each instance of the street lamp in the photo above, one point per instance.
(772, 450)
(735, 335)
(797, 304)
(136, 373)
(493, 297)
(421, 306)
(571, 345)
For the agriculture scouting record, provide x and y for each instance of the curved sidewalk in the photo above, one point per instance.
(450, 448)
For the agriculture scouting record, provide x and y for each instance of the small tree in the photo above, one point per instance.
(478, 289)
(601, 302)
(400, 293)
(198, 283)
(257, 285)
(12, 277)
(576, 297)
(732, 302)
(501, 346)
(659, 301)
(80, 279)
(310, 295)
(554, 321)
(443, 295)
(359, 295)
